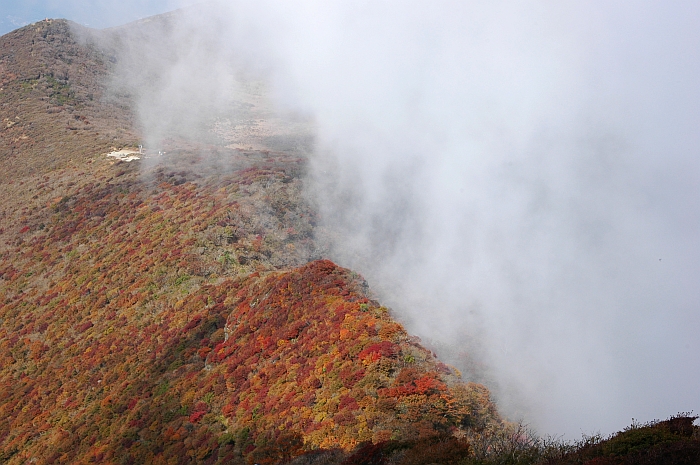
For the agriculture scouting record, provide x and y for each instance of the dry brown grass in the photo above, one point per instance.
(53, 106)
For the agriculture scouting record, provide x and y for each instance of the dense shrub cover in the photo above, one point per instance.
(178, 312)
(675, 441)
(92, 291)
(147, 318)
(261, 367)
(162, 313)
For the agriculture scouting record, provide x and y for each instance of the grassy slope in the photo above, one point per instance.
(53, 101)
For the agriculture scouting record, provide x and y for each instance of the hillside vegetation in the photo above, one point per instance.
(54, 101)
(177, 312)
(183, 310)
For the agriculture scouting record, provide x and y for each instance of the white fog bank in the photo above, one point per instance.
(518, 180)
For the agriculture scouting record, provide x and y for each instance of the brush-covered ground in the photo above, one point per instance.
(176, 310)
(181, 311)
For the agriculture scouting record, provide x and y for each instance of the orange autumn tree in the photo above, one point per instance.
(307, 351)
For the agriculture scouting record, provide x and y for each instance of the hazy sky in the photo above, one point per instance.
(519, 179)
(97, 13)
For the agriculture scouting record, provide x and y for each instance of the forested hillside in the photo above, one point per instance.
(182, 307)
(178, 312)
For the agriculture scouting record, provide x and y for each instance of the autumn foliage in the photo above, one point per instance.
(178, 312)
(135, 332)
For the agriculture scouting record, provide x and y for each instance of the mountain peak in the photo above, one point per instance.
(153, 312)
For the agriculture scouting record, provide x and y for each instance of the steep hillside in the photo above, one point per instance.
(672, 442)
(263, 366)
(178, 312)
(54, 106)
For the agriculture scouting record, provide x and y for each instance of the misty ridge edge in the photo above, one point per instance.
(53, 228)
(94, 260)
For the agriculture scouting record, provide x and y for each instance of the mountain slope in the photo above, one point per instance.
(175, 310)
(231, 370)
(54, 100)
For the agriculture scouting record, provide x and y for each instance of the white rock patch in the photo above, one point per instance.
(125, 155)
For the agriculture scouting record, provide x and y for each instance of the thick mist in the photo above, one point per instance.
(519, 181)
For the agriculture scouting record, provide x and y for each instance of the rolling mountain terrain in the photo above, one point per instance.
(155, 313)
(181, 307)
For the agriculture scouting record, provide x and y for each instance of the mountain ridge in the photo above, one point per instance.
(120, 283)
(55, 104)
(182, 309)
